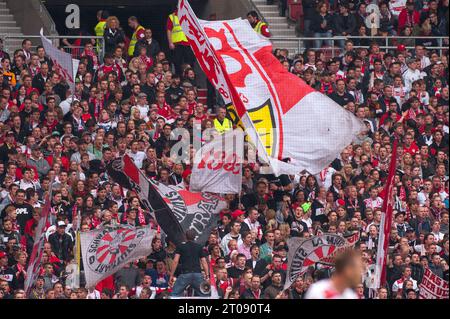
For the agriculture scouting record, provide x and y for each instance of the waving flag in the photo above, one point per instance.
(433, 286)
(107, 250)
(306, 252)
(218, 165)
(38, 247)
(284, 117)
(386, 222)
(63, 63)
(175, 209)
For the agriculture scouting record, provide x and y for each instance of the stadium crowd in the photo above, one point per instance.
(132, 100)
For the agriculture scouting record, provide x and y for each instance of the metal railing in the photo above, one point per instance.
(10, 43)
(385, 43)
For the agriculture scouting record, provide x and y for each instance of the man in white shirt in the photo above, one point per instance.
(412, 73)
(341, 285)
(142, 105)
(406, 275)
(26, 181)
(233, 234)
(137, 156)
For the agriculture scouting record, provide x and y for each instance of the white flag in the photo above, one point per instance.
(107, 250)
(218, 165)
(62, 62)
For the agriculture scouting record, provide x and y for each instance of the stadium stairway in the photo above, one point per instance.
(8, 27)
(278, 26)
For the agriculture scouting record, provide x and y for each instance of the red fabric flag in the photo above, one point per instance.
(386, 222)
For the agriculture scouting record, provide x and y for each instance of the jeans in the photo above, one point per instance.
(191, 279)
(318, 43)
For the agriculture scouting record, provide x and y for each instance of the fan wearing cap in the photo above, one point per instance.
(61, 242)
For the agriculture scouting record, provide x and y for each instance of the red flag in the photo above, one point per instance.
(386, 222)
(38, 246)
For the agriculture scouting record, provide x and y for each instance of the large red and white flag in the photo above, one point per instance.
(386, 223)
(107, 250)
(218, 165)
(284, 116)
(34, 263)
(63, 63)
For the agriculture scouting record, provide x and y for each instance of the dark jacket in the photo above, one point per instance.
(112, 39)
(61, 245)
(344, 24)
(152, 49)
(39, 82)
(272, 291)
(317, 20)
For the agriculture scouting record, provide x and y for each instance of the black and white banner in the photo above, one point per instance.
(176, 210)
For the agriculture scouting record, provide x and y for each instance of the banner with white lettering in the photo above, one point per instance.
(107, 250)
(63, 64)
(306, 252)
(433, 287)
(218, 165)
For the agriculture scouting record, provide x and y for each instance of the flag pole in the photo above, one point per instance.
(385, 225)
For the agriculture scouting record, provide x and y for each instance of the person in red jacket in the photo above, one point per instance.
(409, 17)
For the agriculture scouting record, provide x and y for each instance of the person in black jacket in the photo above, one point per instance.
(148, 42)
(61, 242)
(254, 292)
(113, 34)
(321, 25)
(41, 78)
(344, 23)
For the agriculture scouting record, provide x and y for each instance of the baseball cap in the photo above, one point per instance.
(61, 224)
(3, 254)
(142, 95)
(401, 47)
(237, 213)
(410, 2)
(10, 133)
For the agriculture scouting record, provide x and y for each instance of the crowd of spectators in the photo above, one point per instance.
(131, 104)
(408, 18)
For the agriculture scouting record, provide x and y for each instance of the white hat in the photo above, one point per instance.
(61, 223)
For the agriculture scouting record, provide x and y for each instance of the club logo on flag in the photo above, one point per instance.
(110, 248)
(306, 252)
(106, 250)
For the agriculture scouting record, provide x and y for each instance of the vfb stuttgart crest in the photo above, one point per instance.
(111, 247)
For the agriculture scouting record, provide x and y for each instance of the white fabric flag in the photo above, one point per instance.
(218, 165)
(284, 117)
(63, 63)
(107, 250)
